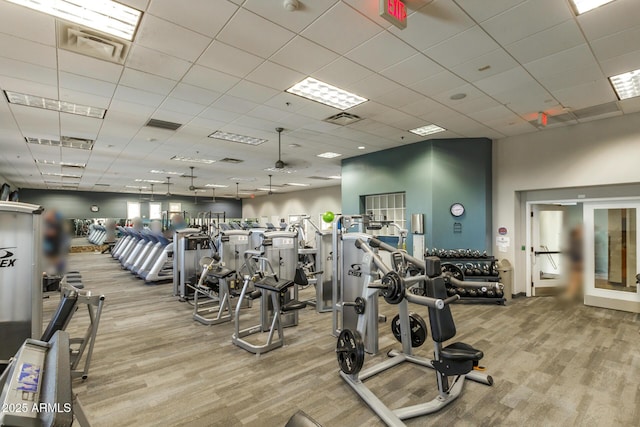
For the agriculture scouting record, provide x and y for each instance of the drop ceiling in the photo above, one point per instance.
(218, 65)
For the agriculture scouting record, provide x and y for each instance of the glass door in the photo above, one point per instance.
(547, 222)
(611, 255)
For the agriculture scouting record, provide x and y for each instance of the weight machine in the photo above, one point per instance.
(453, 363)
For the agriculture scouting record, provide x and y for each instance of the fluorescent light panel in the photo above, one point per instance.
(163, 172)
(216, 186)
(582, 6)
(326, 94)
(54, 105)
(62, 175)
(329, 155)
(136, 187)
(66, 164)
(335, 177)
(234, 137)
(296, 184)
(103, 15)
(627, 85)
(193, 160)
(150, 181)
(265, 189)
(427, 130)
(280, 170)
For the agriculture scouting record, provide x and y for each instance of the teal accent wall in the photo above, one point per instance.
(434, 174)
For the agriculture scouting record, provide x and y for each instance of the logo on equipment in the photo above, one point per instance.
(6, 257)
(355, 270)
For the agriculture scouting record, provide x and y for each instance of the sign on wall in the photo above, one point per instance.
(394, 11)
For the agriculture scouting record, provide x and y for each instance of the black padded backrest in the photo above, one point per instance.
(62, 316)
(442, 326)
(300, 278)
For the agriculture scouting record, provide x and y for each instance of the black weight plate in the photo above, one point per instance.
(360, 305)
(350, 351)
(418, 329)
(453, 269)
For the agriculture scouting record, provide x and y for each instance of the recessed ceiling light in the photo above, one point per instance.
(149, 181)
(326, 94)
(241, 179)
(296, 184)
(65, 141)
(582, 6)
(457, 96)
(164, 172)
(136, 187)
(234, 137)
(216, 186)
(294, 145)
(265, 189)
(104, 15)
(362, 147)
(54, 105)
(62, 175)
(65, 164)
(335, 177)
(280, 170)
(329, 155)
(427, 130)
(627, 85)
(193, 160)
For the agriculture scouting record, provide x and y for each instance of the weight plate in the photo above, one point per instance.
(350, 351)
(394, 293)
(360, 305)
(418, 329)
(453, 270)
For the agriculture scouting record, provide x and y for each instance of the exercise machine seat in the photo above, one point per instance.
(222, 273)
(301, 419)
(300, 277)
(293, 305)
(461, 351)
(271, 283)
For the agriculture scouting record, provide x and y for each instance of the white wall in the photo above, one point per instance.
(600, 152)
(312, 202)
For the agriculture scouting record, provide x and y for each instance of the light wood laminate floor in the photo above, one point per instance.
(553, 365)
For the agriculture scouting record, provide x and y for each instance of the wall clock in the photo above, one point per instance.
(94, 208)
(457, 209)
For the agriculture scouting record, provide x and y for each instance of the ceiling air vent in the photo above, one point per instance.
(343, 119)
(560, 119)
(161, 124)
(597, 110)
(321, 178)
(231, 160)
(92, 43)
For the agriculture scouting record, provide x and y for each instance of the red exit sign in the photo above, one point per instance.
(395, 12)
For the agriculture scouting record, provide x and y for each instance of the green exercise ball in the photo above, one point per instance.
(328, 216)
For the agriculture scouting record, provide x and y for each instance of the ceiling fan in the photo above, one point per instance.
(282, 166)
(193, 187)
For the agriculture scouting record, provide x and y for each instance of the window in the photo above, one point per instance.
(155, 211)
(133, 210)
(387, 207)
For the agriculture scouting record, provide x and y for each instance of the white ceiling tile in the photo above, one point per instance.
(560, 37)
(295, 21)
(36, 121)
(421, 107)
(130, 108)
(203, 16)
(84, 98)
(567, 60)
(526, 19)
(79, 64)
(275, 76)
(195, 94)
(372, 86)
(303, 55)
(252, 91)
(586, 95)
(506, 80)
(577, 76)
(171, 39)
(138, 96)
(208, 124)
(518, 128)
(147, 82)
(268, 113)
(229, 59)
(158, 63)
(381, 51)
(498, 60)
(399, 97)
(480, 103)
(233, 104)
(247, 31)
(598, 22)
(412, 69)
(341, 29)
(621, 64)
(136, 4)
(631, 105)
(483, 10)
(182, 106)
(78, 126)
(317, 111)
(438, 83)
(210, 79)
(41, 28)
(32, 88)
(219, 115)
(493, 114)
(26, 71)
(27, 51)
(433, 24)
(342, 72)
(86, 84)
(462, 47)
(617, 44)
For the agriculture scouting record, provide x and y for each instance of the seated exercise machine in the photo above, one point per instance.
(271, 271)
(212, 300)
(453, 363)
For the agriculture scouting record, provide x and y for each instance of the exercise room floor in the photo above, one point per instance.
(154, 366)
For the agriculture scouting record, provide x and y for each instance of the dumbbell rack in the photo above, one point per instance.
(477, 278)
